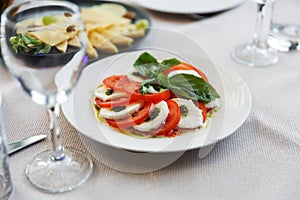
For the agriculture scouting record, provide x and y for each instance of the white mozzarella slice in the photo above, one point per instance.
(152, 90)
(194, 118)
(192, 72)
(101, 94)
(158, 121)
(131, 75)
(108, 113)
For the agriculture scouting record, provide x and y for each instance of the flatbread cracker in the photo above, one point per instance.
(50, 37)
(101, 43)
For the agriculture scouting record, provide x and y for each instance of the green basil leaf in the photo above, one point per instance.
(149, 81)
(25, 43)
(185, 85)
(146, 65)
(145, 58)
(170, 62)
(192, 87)
(29, 40)
(14, 43)
(183, 92)
(148, 70)
(44, 49)
(163, 80)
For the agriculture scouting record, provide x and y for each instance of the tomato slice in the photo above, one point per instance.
(135, 119)
(185, 66)
(171, 121)
(203, 108)
(113, 103)
(155, 97)
(120, 83)
(111, 81)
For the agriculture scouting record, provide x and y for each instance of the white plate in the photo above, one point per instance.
(189, 6)
(78, 110)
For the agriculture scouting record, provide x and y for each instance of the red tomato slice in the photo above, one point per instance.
(135, 119)
(111, 81)
(113, 103)
(171, 121)
(120, 83)
(185, 66)
(204, 112)
(155, 98)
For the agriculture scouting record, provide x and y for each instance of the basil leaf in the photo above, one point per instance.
(170, 62)
(192, 87)
(44, 49)
(163, 80)
(183, 92)
(26, 43)
(148, 66)
(145, 58)
(149, 81)
(148, 70)
(185, 85)
(30, 40)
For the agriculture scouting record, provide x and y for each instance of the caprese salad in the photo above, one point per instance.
(156, 99)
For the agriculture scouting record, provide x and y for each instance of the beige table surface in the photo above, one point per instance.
(261, 160)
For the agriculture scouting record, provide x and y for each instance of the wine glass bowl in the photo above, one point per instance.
(285, 28)
(36, 70)
(43, 45)
(258, 53)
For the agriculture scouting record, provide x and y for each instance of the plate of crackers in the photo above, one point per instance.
(112, 27)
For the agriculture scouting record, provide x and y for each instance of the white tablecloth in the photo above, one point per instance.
(260, 161)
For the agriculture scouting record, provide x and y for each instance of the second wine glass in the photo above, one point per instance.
(43, 46)
(258, 53)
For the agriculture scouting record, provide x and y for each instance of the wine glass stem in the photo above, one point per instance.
(58, 149)
(263, 22)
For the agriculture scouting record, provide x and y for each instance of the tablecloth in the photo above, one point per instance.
(260, 161)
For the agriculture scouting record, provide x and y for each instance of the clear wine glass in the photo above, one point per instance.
(43, 46)
(258, 53)
(285, 28)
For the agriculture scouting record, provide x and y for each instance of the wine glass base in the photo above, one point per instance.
(254, 56)
(59, 176)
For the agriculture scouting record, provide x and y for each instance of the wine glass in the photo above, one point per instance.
(258, 53)
(285, 29)
(43, 46)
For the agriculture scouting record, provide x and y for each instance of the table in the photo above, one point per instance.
(261, 160)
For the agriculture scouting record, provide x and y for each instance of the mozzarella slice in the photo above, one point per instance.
(108, 113)
(131, 75)
(192, 72)
(193, 118)
(101, 94)
(151, 90)
(158, 121)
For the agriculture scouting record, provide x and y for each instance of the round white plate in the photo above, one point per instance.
(189, 6)
(79, 112)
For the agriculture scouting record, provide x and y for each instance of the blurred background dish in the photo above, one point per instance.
(189, 6)
(112, 27)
